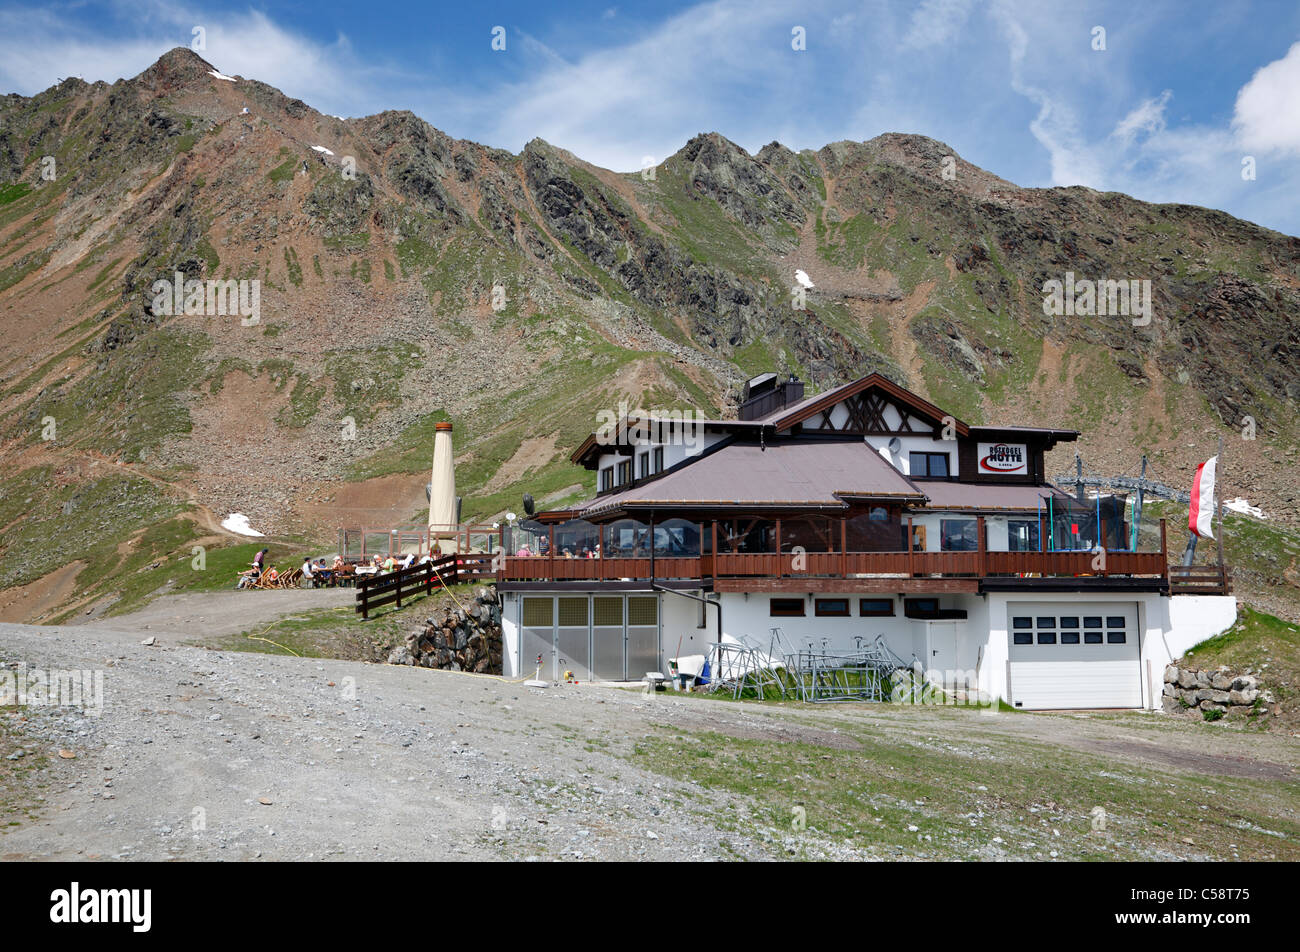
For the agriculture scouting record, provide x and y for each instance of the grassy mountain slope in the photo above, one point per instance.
(378, 261)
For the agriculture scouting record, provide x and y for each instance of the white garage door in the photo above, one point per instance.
(1074, 655)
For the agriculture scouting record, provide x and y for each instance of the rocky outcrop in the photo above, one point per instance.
(465, 638)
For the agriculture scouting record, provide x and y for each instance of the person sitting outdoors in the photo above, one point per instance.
(524, 552)
(390, 563)
(409, 560)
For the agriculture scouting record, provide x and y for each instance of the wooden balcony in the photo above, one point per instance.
(849, 571)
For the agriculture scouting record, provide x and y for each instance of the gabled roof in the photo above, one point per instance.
(778, 475)
(787, 417)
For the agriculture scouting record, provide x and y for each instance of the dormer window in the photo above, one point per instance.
(624, 472)
(643, 465)
(607, 479)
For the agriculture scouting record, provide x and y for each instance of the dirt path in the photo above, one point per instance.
(201, 617)
(204, 754)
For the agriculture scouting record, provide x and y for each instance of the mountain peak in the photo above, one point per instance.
(176, 68)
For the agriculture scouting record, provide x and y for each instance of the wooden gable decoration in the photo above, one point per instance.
(872, 406)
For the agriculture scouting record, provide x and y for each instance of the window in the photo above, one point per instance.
(933, 465)
(1116, 637)
(1046, 621)
(607, 479)
(1022, 621)
(643, 610)
(659, 459)
(1091, 621)
(1069, 637)
(1022, 536)
(958, 535)
(787, 608)
(1114, 621)
(1047, 637)
(573, 612)
(875, 606)
(1092, 637)
(538, 612)
(643, 465)
(831, 607)
(1069, 621)
(625, 472)
(1024, 637)
(878, 514)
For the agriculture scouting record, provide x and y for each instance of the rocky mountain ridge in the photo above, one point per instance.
(408, 277)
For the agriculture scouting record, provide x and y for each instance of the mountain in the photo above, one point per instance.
(407, 277)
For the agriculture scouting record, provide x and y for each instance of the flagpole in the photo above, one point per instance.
(1218, 506)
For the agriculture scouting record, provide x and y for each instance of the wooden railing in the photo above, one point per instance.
(979, 563)
(389, 588)
(1200, 580)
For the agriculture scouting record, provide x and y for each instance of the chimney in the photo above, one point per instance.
(766, 394)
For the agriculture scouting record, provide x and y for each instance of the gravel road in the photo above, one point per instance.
(178, 619)
(206, 754)
(420, 764)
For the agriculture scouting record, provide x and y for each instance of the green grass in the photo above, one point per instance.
(284, 171)
(960, 781)
(135, 402)
(1263, 644)
(293, 266)
(13, 191)
(340, 632)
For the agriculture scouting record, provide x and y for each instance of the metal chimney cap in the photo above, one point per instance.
(441, 426)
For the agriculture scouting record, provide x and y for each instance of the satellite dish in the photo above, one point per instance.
(529, 506)
(895, 444)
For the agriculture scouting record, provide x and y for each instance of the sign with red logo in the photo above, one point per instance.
(1004, 459)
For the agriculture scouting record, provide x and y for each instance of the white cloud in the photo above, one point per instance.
(935, 22)
(1267, 113)
(1147, 117)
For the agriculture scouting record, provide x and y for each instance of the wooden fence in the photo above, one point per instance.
(388, 588)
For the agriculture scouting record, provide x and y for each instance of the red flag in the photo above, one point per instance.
(1200, 514)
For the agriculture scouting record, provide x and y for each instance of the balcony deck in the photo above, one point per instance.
(846, 571)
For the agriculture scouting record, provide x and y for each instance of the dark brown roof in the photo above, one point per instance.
(782, 475)
(984, 496)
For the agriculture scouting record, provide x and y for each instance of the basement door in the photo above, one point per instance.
(600, 637)
(1073, 655)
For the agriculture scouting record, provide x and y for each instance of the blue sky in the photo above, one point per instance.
(1167, 111)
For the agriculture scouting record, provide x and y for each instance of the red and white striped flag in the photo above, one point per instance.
(1200, 515)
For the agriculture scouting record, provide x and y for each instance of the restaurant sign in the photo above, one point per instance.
(1004, 459)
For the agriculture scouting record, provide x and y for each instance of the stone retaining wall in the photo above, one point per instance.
(465, 638)
(1218, 690)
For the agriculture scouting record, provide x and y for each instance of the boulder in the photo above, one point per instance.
(1172, 705)
(401, 656)
(1219, 697)
(1171, 674)
(1221, 681)
(1170, 690)
(1213, 706)
(1245, 682)
(1243, 697)
(1186, 679)
(1202, 679)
